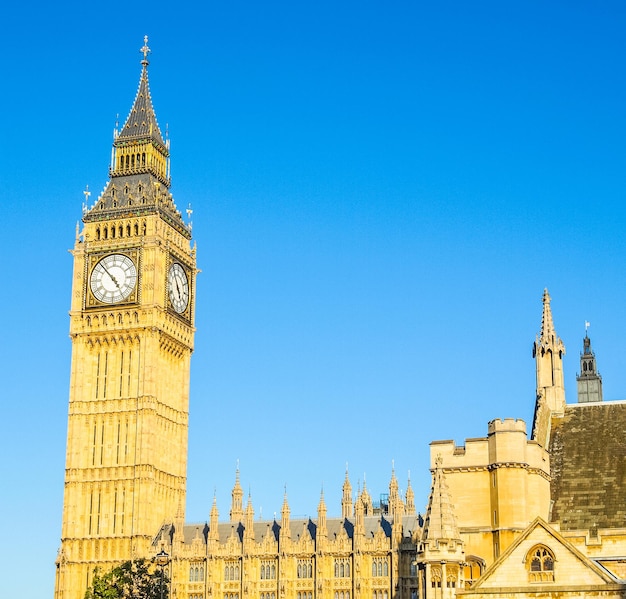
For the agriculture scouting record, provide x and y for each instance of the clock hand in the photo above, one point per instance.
(180, 295)
(112, 277)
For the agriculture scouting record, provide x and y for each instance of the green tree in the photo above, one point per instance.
(137, 579)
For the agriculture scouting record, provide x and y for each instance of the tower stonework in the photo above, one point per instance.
(131, 326)
(589, 381)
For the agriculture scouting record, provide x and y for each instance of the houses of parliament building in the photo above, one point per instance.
(526, 511)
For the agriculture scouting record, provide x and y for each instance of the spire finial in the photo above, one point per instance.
(145, 51)
(547, 325)
(86, 193)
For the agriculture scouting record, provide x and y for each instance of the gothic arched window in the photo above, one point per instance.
(472, 570)
(540, 564)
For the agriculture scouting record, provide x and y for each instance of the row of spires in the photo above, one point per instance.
(395, 504)
(439, 523)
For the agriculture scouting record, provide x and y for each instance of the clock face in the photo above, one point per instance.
(178, 287)
(113, 278)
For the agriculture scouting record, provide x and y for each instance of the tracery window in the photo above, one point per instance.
(268, 570)
(435, 577)
(342, 568)
(540, 564)
(452, 574)
(305, 568)
(472, 571)
(196, 573)
(231, 571)
(380, 566)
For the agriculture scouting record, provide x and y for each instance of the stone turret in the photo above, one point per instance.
(214, 535)
(346, 498)
(410, 498)
(322, 528)
(285, 515)
(442, 552)
(366, 499)
(248, 533)
(589, 381)
(236, 507)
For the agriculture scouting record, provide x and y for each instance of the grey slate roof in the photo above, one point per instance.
(588, 466)
(297, 527)
(142, 121)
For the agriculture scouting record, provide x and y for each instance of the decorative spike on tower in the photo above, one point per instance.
(410, 497)
(236, 506)
(285, 516)
(214, 535)
(249, 524)
(346, 499)
(366, 499)
(322, 531)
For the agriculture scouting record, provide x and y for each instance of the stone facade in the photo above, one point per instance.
(507, 516)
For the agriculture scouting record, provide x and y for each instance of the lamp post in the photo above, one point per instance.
(162, 558)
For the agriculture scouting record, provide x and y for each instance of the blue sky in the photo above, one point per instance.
(380, 193)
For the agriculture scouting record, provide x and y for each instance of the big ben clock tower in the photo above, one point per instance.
(131, 325)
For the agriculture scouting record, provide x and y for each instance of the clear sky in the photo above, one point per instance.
(380, 192)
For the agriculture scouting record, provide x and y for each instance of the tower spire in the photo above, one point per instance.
(547, 324)
(410, 497)
(236, 507)
(346, 499)
(141, 121)
(548, 351)
(140, 164)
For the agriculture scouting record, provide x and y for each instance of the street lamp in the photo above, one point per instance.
(162, 558)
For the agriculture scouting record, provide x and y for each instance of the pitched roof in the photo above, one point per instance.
(588, 466)
(440, 522)
(372, 525)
